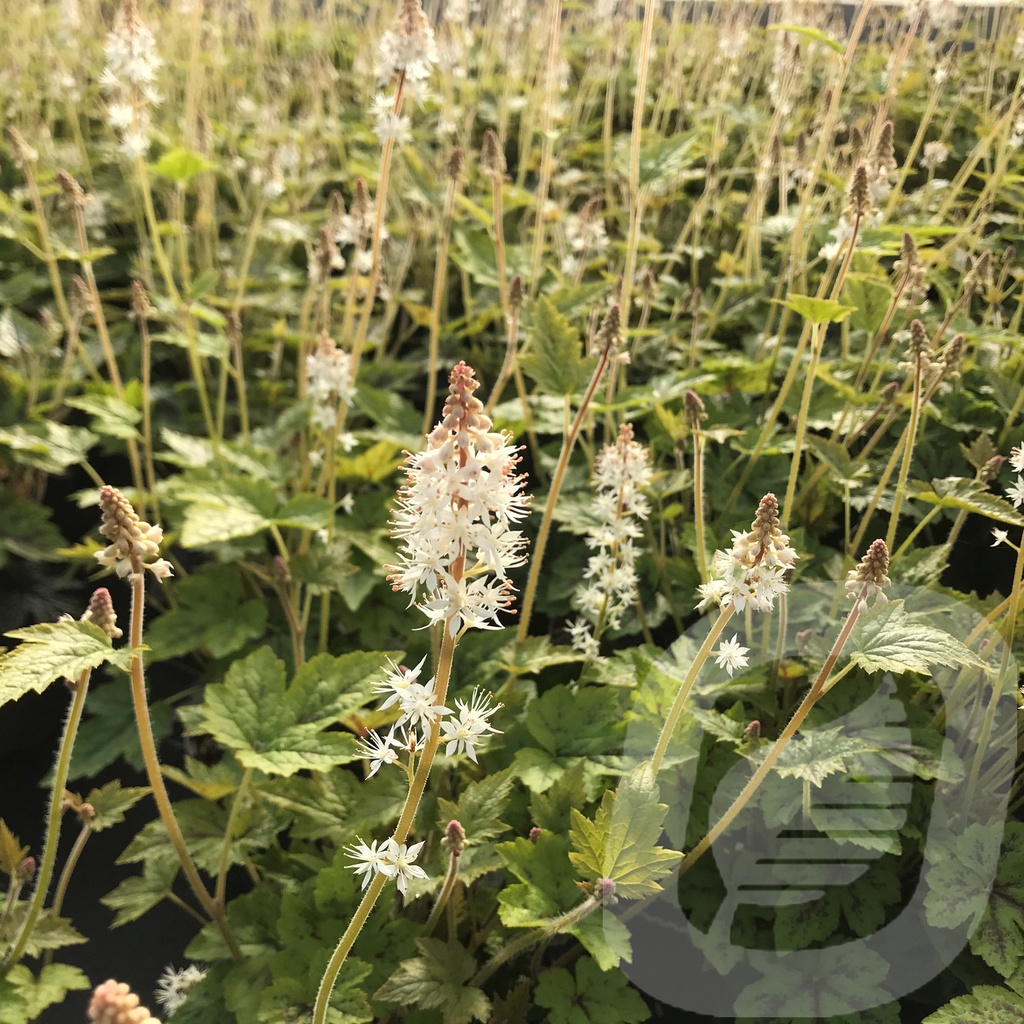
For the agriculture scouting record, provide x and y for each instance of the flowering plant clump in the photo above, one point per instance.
(250, 253)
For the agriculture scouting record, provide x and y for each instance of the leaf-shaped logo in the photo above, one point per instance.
(831, 806)
(805, 875)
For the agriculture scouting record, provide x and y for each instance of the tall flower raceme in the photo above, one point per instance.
(135, 547)
(129, 79)
(621, 473)
(328, 383)
(455, 517)
(409, 51)
(455, 523)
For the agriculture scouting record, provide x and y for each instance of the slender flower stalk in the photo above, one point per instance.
(133, 549)
(751, 573)
(454, 522)
(101, 613)
(694, 409)
(75, 198)
(454, 842)
(608, 342)
(867, 580)
(27, 157)
(440, 282)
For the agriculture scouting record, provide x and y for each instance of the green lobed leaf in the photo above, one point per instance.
(233, 507)
(817, 311)
(576, 723)
(999, 937)
(871, 296)
(190, 627)
(51, 651)
(181, 165)
(478, 811)
(437, 980)
(621, 843)
(555, 358)
(26, 530)
(814, 755)
(111, 802)
(49, 932)
(958, 885)
(23, 997)
(51, 447)
(110, 415)
(274, 729)
(971, 495)
(887, 639)
(588, 996)
(986, 1004)
(140, 893)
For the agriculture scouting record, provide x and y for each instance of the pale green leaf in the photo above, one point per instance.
(268, 727)
(621, 843)
(986, 1004)
(110, 415)
(234, 507)
(33, 995)
(50, 446)
(140, 893)
(817, 754)
(12, 853)
(815, 35)
(887, 639)
(181, 165)
(51, 651)
(817, 311)
(971, 495)
(111, 802)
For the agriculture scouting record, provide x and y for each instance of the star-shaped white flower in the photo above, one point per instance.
(732, 655)
(397, 863)
(368, 859)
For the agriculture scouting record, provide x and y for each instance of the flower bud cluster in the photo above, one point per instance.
(622, 472)
(129, 80)
(114, 1002)
(455, 515)
(870, 577)
(134, 544)
(753, 571)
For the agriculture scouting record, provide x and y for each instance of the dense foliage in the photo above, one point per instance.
(676, 314)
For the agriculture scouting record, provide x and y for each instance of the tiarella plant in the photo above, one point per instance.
(454, 756)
